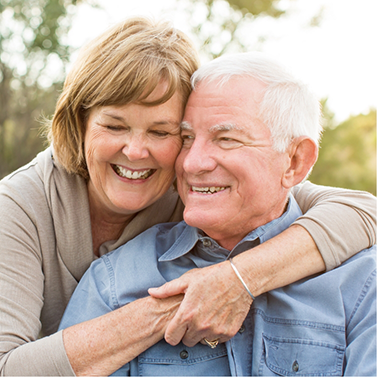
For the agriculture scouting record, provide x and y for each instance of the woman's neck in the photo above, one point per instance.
(106, 225)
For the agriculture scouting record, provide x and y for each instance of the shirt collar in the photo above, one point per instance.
(190, 236)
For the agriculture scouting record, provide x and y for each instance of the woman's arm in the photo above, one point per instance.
(347, 219)
(102, 329)
(22, 294)
(102, 345)
(30, 279)
(341, 222)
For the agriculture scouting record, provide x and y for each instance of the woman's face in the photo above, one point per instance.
(130, 152)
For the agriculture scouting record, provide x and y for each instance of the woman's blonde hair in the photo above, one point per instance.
(123, 65)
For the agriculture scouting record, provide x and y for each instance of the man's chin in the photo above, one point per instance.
(202, 219)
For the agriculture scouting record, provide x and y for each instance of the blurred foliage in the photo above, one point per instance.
(33, 57)
(268, 7)
(216, 24)
(32, 60)
(32, 67)
(347, 156)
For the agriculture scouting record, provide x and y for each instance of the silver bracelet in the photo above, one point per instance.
(240, 277)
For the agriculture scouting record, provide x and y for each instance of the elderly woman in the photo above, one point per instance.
(107, 177)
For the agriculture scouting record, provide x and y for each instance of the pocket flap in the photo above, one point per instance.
(297, 357)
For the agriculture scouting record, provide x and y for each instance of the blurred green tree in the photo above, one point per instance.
(31, 44)
(347, 156)
(217, 24)
(33, 57)
(32, 61)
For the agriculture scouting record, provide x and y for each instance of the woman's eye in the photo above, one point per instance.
(115, 128)
(160, 133)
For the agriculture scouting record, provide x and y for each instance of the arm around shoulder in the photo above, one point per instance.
(341, 222)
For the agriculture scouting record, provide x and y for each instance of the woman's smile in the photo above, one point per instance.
(132, 174)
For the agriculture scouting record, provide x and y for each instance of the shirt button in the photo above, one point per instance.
(207, 243)
(242, 329)
(184, 354)
(295, 366)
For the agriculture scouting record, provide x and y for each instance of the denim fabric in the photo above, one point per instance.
(321, 326)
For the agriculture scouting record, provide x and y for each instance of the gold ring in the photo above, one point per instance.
(212, 343)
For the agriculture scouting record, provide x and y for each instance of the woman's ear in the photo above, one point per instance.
(303, 153)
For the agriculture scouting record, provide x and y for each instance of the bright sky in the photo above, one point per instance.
(338, 58)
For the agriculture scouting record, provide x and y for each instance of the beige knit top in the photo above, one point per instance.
(46, 246)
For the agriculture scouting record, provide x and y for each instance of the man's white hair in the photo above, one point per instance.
(288, 108)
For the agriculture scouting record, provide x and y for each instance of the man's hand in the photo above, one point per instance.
(214, 306)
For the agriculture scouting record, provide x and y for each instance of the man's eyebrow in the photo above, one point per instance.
(225, 127)
(185, 126)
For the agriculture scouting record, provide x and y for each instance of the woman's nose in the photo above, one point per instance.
(136, 148)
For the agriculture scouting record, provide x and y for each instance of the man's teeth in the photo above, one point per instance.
(207, 190)
(133, 174)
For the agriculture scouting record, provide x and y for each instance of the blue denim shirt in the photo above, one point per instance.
(321, 326)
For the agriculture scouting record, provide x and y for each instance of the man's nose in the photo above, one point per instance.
(199, 158)
(136, 148)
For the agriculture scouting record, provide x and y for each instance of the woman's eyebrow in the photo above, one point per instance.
(157, 122)
(117, 117)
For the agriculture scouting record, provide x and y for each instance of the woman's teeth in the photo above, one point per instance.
(207, 190)
(144, 174)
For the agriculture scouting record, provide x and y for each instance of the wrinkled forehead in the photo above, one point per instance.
(234, 97)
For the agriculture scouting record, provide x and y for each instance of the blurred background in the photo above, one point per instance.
(329, 44)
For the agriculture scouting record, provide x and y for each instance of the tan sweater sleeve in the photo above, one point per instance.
(23, 290)
(44, 357)
(341, 222)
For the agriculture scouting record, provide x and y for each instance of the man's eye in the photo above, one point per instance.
(226, 139)
(187, 140)
(228, 143)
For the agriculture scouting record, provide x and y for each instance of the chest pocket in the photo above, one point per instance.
(301, 357)
(165, 360)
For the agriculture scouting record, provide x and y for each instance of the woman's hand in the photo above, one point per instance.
(214, 306)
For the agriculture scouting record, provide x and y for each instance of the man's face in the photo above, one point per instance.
(229, 176)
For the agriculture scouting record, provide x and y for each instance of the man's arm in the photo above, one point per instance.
(292, 255)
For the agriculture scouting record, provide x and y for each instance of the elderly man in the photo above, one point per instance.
(250, 133)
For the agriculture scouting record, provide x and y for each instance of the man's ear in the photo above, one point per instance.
(303, 153)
